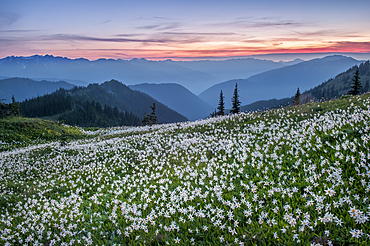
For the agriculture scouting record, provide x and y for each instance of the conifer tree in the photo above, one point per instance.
(213, 114)
(153, 117)
(221, 105)
(235, 101)
(14, 107)
(150, 119)
(145, 121)
(356, 85)
(297, 97)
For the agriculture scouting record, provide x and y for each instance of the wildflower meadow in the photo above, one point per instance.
(291, 176)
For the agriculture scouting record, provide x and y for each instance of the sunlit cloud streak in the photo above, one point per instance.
(168, 29)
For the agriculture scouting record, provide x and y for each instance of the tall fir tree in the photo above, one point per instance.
(213, 114)
(297, 97)
(235, 101)
(356, 85)
(221, 105)
(153, 116)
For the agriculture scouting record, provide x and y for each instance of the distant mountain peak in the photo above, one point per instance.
(37, 57)
(295, 61)
(138, 59)
(178, 98)
(334, 57)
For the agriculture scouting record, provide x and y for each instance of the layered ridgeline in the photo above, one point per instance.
(281, 82)
(333, 88)
(195, 76)
(177, 98)
(109, 104)
(292, 176)
(23, 88)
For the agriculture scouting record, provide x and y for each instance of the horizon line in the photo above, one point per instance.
(204, 58)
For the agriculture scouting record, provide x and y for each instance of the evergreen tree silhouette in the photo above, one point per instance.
(235, 101)
(14, 107)
(221, 105)
(150, 119)
(356, 85)
(153, 117)
(297, 97)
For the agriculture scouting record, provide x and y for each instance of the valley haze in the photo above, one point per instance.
(191, 88)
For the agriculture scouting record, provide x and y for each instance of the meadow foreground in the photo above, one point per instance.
(294, 176)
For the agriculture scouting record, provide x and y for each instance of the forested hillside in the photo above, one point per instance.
(109, 104)
(23, 88)
(281, 82)
(341, 84)
(62, 107)
(333, 88)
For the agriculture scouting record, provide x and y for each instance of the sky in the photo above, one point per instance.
(184, 30)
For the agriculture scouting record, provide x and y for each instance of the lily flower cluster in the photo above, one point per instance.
(286, 176)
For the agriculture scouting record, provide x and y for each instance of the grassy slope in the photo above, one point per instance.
(20, 131)
(111, 177)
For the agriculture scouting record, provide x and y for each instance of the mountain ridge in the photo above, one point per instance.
(113, 94)
(24, 88)
(178, 98)
(281, 82)
(330, 89)
(196, 76)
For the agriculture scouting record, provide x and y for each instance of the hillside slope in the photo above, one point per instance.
(23, 88)
(333, 88)
(281, 82)
(113, 94)
(293, 176)
(177, 98)
(232, 68)
(19, 132)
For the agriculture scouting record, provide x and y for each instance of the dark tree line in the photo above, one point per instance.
(47, 105)
(93, 114)
(77, 112)
(9, 109)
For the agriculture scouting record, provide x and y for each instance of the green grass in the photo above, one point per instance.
(19, 132)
